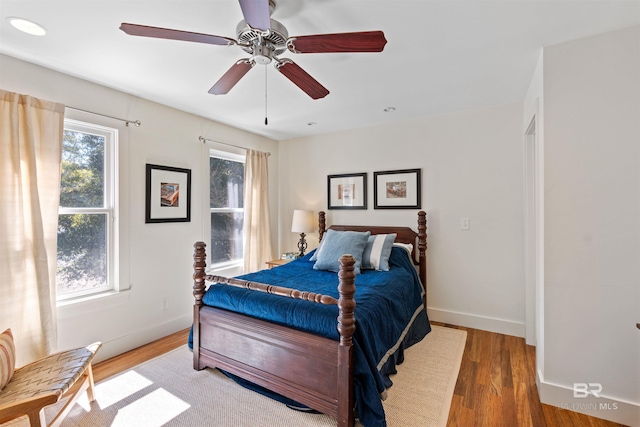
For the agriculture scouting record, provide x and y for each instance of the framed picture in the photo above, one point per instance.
(396, 189)
(168, 195)
(348, 191)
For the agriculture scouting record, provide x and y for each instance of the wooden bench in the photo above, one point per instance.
(44, 382)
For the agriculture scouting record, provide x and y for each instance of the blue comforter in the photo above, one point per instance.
(390, 316)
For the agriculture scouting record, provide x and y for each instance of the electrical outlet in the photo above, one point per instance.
(164, 304)
(464, 224)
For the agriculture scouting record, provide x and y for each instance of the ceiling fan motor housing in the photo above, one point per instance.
(263, 47)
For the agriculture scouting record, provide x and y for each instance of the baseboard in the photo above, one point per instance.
(141, 337)
(501, 326)
(605, 407)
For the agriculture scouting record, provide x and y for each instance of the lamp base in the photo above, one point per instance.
(302, 245)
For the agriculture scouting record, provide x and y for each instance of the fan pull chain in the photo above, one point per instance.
(266, 121)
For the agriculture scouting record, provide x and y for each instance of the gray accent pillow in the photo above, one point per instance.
(338, 243)
(377, 252)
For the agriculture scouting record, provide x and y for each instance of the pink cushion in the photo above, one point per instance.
(7, 357)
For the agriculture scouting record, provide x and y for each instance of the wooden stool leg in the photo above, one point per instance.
(90, 391)
(36, 418)
(85, 384)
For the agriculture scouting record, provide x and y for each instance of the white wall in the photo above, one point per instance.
(471, 168)
(156, 258)
(591, 221)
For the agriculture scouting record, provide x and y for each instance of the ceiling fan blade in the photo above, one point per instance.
(301, 78)
(167, 33)
(231, 77)
(256, 14)
(366, 41)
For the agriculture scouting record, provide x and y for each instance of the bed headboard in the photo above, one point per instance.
(404, 235)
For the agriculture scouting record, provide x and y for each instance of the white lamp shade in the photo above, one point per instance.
(303, 221)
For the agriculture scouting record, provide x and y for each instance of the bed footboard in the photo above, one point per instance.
(312, 370)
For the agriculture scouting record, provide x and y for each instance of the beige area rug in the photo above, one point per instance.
(167, 391)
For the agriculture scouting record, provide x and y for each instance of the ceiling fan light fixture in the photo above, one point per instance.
(27, 26)
(262, 54)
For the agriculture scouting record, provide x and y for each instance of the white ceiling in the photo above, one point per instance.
(441, 56)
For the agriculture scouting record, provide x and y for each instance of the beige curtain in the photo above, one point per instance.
(30, 158)
(257, 223)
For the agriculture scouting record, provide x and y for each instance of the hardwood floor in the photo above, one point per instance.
(496, 385)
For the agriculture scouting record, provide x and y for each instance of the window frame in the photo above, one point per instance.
(234, 157)
(109, 208)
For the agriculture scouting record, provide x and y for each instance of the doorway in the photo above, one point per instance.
(531, 236)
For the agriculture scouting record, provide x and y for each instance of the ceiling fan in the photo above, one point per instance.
(265, 39)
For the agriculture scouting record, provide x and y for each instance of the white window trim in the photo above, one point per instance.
(111, 197)
(237, 156)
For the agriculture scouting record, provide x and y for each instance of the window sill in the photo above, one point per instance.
(226, 269)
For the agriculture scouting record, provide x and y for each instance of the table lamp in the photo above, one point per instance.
(303, 222)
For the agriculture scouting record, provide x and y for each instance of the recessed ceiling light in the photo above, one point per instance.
(389, 109)
(27, 26)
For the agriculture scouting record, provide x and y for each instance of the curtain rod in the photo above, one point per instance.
(203, 140)
(137, 123)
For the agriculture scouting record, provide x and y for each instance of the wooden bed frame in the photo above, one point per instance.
(312, 370)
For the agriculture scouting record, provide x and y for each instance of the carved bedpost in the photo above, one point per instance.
(346, 328)
(422, 249)
(346, 302)
(321, 225)
(199, 265)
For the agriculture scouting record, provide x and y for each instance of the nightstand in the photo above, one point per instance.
(276, 262)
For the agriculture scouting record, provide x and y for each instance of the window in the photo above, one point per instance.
(86, 222)
(226, 194)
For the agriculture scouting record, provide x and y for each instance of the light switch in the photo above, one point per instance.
(464, 223)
